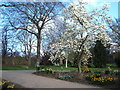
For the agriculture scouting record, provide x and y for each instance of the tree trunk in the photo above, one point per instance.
(66, 63)
(13, 63)
(38, 50)
(79, 61)
(79, 66)
(61, 62)
(29, 54)
(29, 60)
(38, 45)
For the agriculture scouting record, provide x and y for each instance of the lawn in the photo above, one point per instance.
(15, 67)
(60, 68)
(23, 67)
(102, 69)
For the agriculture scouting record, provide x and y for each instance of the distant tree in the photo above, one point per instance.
(115, 34)
(45, 59)
(117, 58)
(28, 44)
(99, 58)
(9, 44)
(16, 53)
(4, 43)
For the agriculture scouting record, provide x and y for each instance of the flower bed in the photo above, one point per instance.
(47, 70)
(6, 84)
(89, 78)
(97, 78)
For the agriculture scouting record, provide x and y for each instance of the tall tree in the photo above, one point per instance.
(32, 17)
(83, 28)
(100, 55)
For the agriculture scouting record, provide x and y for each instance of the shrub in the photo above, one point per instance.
(117, 58)
(97, 72)
(91, 65)
(66, 76)
(45, 59)
(107, 72)
(116, 72)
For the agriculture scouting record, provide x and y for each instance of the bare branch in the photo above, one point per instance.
(4, 5)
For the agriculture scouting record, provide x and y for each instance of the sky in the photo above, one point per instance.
(92, 4)
(113, 8)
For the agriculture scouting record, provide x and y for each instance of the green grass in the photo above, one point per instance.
(11, 67)
(102, 69)
(60, 68)
(111, 65)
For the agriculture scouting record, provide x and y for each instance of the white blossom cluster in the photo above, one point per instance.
(83, 29)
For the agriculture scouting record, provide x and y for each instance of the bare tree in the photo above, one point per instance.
(32, 17)
(27, 44)
(115, 34)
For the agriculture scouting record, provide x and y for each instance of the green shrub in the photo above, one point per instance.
(99, 55)
(116, 72)
(117, 58)
(97, 72)
(90, 65)
(107, 72)
(66, 76)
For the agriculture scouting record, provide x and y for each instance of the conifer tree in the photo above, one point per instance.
(99, 58)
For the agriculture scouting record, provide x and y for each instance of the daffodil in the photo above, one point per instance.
(0, 82)
(11, 86)
(42, 69)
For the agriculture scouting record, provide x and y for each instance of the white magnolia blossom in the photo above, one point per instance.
(83, 29)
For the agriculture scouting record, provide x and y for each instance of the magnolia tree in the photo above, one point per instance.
(83, 28)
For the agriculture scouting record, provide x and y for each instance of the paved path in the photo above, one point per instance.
(29, 80)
